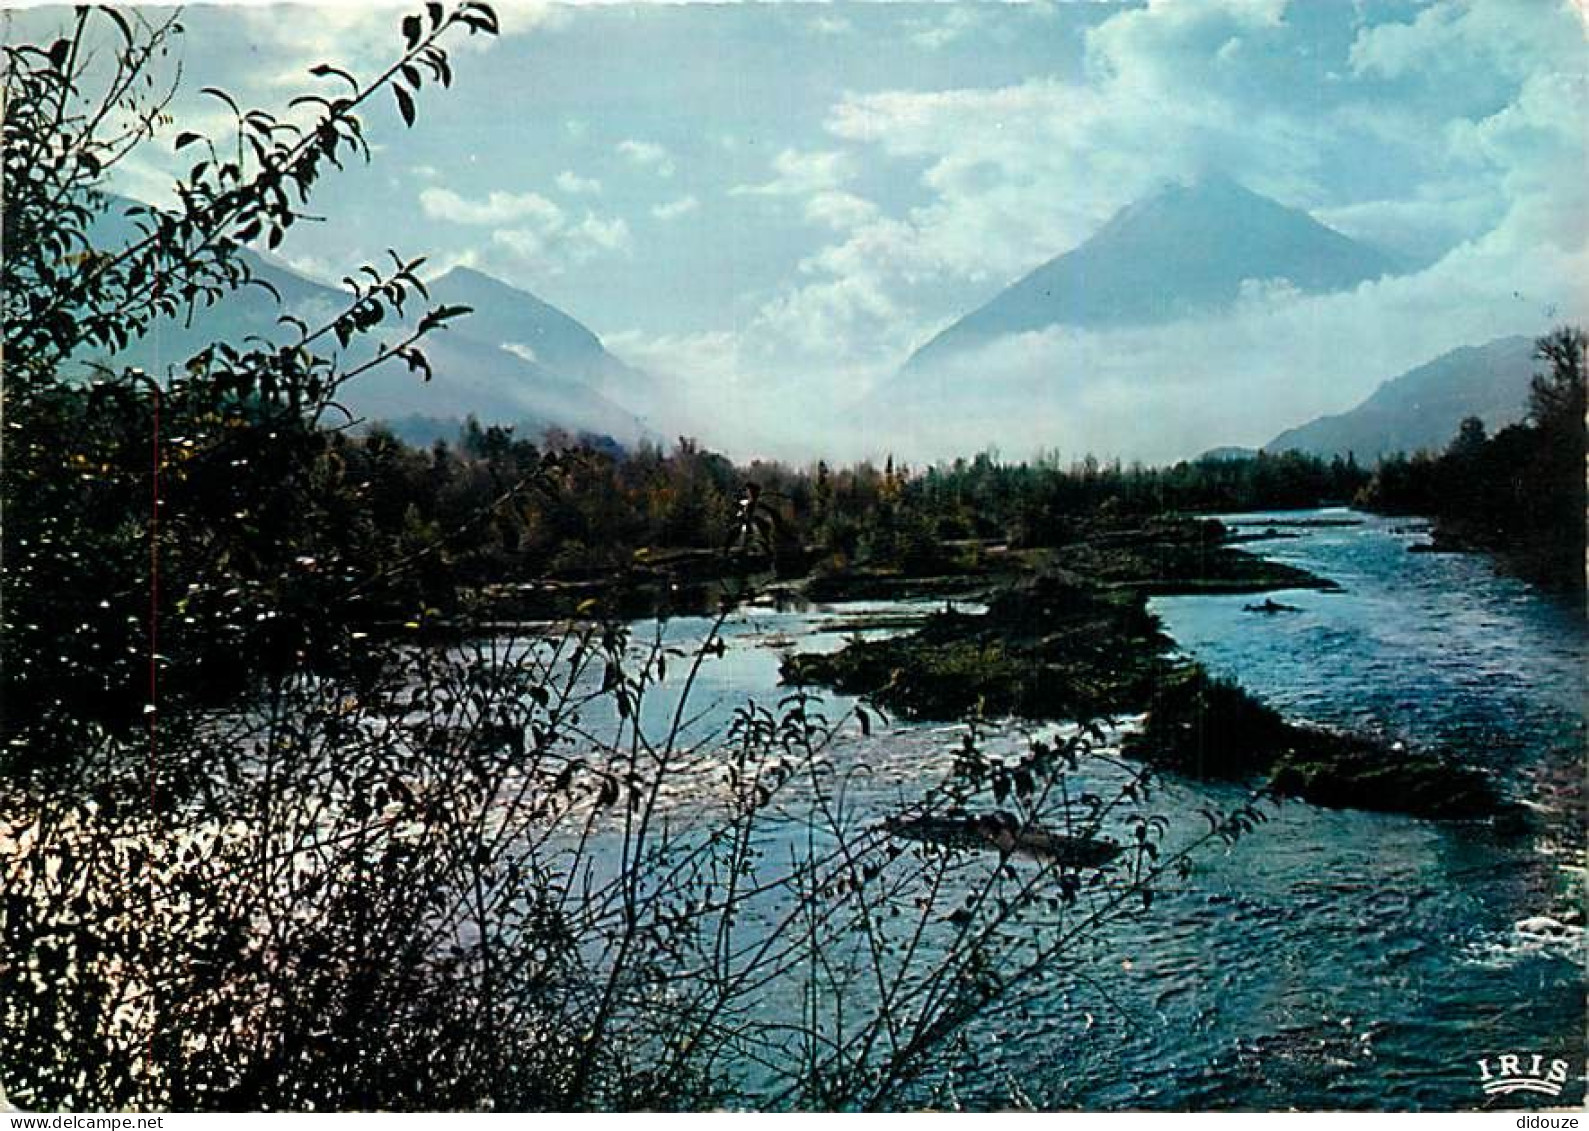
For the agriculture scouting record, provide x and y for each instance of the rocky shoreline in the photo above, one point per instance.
(1072, 639)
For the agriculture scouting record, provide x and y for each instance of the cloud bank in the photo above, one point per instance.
(1452, 137)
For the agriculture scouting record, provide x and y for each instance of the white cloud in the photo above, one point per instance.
(437, 266)
(1476, 39)
(648, 155)
(1166, 392)
(496, 208)
(1019, 173)
(798, 173)
(141, 179)
(575, 185)
(1537, 148)
(817, 178)
(938, 32)
(531, 228)
(355, 36)
(553, 247)
(723, 384)
(314, 267)
(608, 235)
(810, 319)
(1423, 226)
(709, 357)
(707, 386)
(525, 243)
(1179, 49)
(361, 37)
(1023, 172)
(840, 210)
(673, 209)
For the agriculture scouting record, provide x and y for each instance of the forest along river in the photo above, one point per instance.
(1334, 958)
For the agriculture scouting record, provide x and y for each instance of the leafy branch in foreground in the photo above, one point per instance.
(511, 876)
(68, 123)
(321, 867)
(209, 500)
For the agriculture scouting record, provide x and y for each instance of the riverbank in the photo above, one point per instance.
(1555, 565)
(1073, 639)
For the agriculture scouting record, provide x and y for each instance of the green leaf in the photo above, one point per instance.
(217, 92)
(187, 138)
(405, 104)
(435, 318)
(412, 31)
(324, 69)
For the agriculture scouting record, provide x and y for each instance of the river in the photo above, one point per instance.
(1349, 959)
(1335, 958)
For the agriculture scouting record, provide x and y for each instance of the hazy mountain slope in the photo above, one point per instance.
(518, 320)
(559, 375)
(1184, 250)
(1424, 406)
(478, 378)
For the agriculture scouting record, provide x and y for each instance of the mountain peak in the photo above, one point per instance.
(534, 329)
(465, 274)
(1212, 185)
(463, 277)
(502, 310)
(1213, 199)
(1183, 250)
(1215, 202)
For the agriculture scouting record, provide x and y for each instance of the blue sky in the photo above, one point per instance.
(772, 204)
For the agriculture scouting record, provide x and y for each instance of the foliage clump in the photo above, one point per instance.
(269, 839)
(1206, 727)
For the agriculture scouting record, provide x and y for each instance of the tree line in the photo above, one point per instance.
(260, 850)
(570, 507)
(266, 843)
(1519, 493)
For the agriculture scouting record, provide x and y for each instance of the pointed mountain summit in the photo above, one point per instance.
(1183, 251)
(535, 330)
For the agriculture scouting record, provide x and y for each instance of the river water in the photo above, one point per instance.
(1335, 958)
(1349, 959)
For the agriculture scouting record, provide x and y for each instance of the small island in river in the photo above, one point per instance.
(1068, 636)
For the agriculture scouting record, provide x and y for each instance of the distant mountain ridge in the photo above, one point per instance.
(515, 360)
(1185, 250)
(1423, 408)
(534, 329)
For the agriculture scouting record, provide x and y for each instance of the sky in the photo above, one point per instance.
(770, 205)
